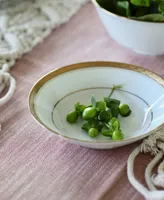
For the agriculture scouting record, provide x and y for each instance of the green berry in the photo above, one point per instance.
(124, 109)
(89, 113)
(117, 135)
(93, 132)
(72, 117)
(79, 108)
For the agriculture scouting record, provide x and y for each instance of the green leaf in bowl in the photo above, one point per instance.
(158, 1)
(123, 8)
(141, 11)
(155, 17)
(93, 101)
(144, 3)
(161, 7)
(110, 6)
(154, 7)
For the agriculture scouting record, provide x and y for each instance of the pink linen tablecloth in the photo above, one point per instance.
(37, 166)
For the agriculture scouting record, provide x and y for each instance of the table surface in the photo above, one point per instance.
(36, 165)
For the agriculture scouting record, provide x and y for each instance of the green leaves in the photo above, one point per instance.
(113, 105)
(161, 8)
(107, 133)
(143, 10)
(93, 123)
(100, 105)
(140, 11)
(151, 18)
(93, 101)
(79, 108)
(144, 3)
(111, 102)
(122, 8)
(86, 126)
(108, 125)
(108, 6)
(112, 126)
(100, 116)
(158, 1)
(116, 125)
(104, 116)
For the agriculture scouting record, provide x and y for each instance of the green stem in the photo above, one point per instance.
(111, 92)
(115, 87)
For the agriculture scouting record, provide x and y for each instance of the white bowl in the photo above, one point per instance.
(55, 94)
(142, 37)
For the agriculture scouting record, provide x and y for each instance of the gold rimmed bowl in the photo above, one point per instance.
(55, 94)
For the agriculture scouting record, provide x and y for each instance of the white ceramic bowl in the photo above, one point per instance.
(55, 94)
(142, 37)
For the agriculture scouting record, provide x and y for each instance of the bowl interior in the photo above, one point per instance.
(55, 95)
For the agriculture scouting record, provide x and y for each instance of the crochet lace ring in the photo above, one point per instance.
(6, 80)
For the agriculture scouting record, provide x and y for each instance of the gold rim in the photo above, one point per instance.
(72, 67)
(116, 15)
